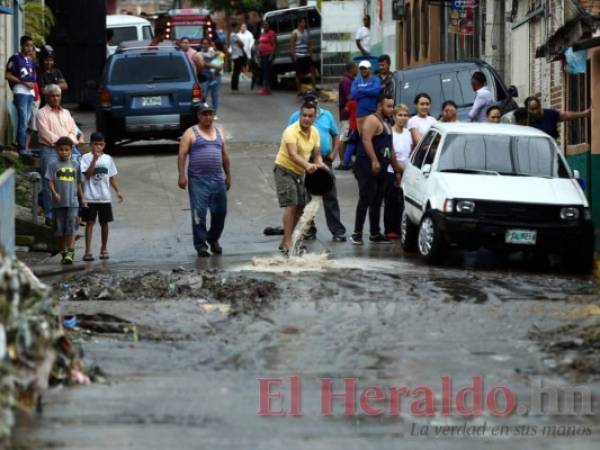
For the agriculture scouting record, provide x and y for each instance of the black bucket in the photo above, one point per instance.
(319, 182)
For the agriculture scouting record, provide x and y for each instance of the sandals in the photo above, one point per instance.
(88, 257)
(104, 255)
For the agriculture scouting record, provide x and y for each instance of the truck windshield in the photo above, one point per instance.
(121, 34)
(502, 154)
(193, 32)
(149, 69)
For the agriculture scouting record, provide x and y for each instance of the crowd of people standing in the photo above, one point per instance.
(374, 138)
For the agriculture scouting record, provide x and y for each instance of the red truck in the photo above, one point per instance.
(193, 23)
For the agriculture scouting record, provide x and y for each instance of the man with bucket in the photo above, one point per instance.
(329, 146)
(300, 144)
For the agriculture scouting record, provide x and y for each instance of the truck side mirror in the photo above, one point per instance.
(513, 91)
(576, 174)
(426, 170)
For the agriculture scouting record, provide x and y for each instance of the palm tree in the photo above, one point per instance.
(39, 21)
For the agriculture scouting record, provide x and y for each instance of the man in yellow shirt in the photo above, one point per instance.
(299, 146)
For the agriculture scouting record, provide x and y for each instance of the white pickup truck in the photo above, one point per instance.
(498, 186)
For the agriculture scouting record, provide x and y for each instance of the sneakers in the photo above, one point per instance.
(339, 238)
(215, 248)
(68, 256)
(356, 239)
(379, 239)
(392, 236)
(310, 236)
(343, 167)
(203, 253)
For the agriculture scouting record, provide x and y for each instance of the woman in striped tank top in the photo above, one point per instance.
(208, 179)
(301, 51)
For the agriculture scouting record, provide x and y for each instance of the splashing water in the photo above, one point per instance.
(308, 215)
(297, 260)
(294, 264)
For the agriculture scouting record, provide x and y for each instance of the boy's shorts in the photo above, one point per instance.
(66, 221)
(102, 210)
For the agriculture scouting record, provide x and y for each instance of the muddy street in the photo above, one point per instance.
(183, 343)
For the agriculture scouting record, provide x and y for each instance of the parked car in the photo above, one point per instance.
(499, 186)
(283, 22)
(451, 81)
(127, 28)
(146, 93)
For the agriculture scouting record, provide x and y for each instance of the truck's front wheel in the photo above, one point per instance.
(430, 242)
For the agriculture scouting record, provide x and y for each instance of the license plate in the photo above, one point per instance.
(523, 237)
(151, 101)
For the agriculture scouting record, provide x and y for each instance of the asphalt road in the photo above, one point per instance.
(368, 313)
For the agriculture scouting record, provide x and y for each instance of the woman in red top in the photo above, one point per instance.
(267, 46)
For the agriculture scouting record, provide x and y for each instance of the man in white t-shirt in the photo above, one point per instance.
(483, 98)
(363, 37)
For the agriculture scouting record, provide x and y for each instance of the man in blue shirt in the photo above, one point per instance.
(365, 90)
(20, 74)
(330, 143)
(547, 120)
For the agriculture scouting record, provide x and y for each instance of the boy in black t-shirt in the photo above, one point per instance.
(64, 182)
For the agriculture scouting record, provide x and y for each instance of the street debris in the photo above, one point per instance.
(34, 351)
(232, 295)
(574, 346)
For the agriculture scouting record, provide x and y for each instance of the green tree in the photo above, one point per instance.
(39, 21)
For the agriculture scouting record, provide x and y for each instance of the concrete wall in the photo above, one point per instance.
(383, 32)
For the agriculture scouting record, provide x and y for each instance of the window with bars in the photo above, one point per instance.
(425, 14)
(408, 39)
(417, 33)
(578, 99)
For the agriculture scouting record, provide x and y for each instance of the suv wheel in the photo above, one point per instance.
(408, 234)
(430, 242)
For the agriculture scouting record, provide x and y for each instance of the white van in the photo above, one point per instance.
(127, 28)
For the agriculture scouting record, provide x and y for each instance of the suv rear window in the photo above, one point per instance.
(123, 34)
(149, 69)
(507, 155)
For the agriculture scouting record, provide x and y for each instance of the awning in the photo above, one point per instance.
(586, 43)
(571, 34)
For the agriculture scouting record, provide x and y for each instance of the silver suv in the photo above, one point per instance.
(283, 22)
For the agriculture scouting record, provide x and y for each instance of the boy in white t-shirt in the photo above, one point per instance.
(99, 175)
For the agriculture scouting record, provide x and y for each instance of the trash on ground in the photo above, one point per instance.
(35, 352)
